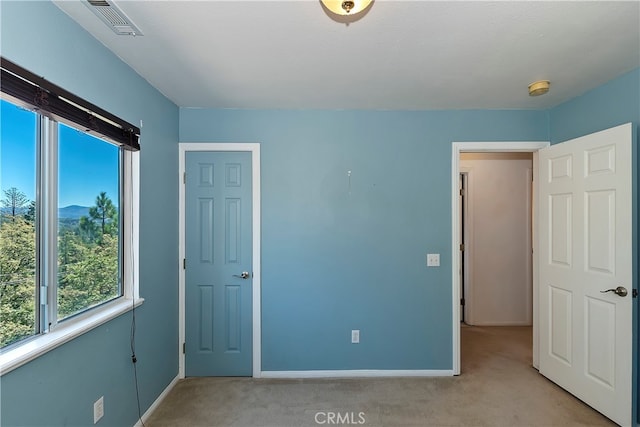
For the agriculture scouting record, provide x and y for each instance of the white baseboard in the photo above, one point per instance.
(156, 403)
(359, 373)
(500, 323)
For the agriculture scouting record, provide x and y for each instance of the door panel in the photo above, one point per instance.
(560, 343)
(585, 248)
(561, 228)
(218, 314)
(600, 341)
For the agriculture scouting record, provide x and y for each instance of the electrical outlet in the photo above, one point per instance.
(98, 409)
(355, 336)
(433, 260)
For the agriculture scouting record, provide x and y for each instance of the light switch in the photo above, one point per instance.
(433, 260)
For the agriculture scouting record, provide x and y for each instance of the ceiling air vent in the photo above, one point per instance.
(115, 18)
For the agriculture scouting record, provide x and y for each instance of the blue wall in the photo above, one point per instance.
(611, 104)
(337, 258)
(60, 387)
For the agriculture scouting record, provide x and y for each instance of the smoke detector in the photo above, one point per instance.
(114, 17)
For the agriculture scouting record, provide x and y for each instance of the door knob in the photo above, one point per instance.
(245, 275)
(621, 291)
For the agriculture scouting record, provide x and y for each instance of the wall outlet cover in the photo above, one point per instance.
(433, 260)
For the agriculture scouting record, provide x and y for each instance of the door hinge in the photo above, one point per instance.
(184, 177)
(462, 191)
(184, 263)
(461, 301)
(462, 247)
(184, 347)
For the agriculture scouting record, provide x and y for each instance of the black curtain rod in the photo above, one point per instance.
(46, 96)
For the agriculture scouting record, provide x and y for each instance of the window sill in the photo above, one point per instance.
(41, 344)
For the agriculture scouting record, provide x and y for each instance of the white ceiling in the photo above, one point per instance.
(402, 55)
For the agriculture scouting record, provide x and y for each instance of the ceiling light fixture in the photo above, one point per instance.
(539, 88)
(346, 7)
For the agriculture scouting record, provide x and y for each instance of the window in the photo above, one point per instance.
(88, 226)
(68, 216)
(18, 309)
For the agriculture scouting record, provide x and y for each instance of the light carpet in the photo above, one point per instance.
(497, 387)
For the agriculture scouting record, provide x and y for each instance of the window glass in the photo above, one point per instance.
(88, 221)
(18, 318)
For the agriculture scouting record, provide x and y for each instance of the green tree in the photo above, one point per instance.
(87, 230)
(88, 259)
(91, 279)
(17, 280)
(14, 200)
(88, 265)
(70, 249)
(104, 212)
(30, 215)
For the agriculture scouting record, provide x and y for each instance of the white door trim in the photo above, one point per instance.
(456, 149)
(254, 149)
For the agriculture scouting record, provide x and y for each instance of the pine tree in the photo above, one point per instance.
(14, 200)
(104, 211)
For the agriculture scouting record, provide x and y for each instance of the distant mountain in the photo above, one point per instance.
(68, 212)
(73, 212)
(7, 211)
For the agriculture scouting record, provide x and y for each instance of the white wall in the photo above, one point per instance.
(498, 238)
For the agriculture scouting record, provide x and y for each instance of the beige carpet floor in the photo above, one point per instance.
(498, 387)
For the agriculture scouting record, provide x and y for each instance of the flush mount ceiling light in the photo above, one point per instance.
(346, 7)
(539, 88)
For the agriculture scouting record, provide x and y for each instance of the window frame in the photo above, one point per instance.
(51, 148)
(58, 332)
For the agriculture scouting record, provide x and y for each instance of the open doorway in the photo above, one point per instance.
(457, 259)
(566, 335)
(496, 258)
(496, 250)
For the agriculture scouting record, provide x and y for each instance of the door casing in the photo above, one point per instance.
(480, 147)
(254, 149)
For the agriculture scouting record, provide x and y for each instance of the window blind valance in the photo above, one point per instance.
(45, 96)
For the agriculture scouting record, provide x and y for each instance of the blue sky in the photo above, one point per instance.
(86, 165)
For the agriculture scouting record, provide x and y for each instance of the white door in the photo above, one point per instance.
(585, 249)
